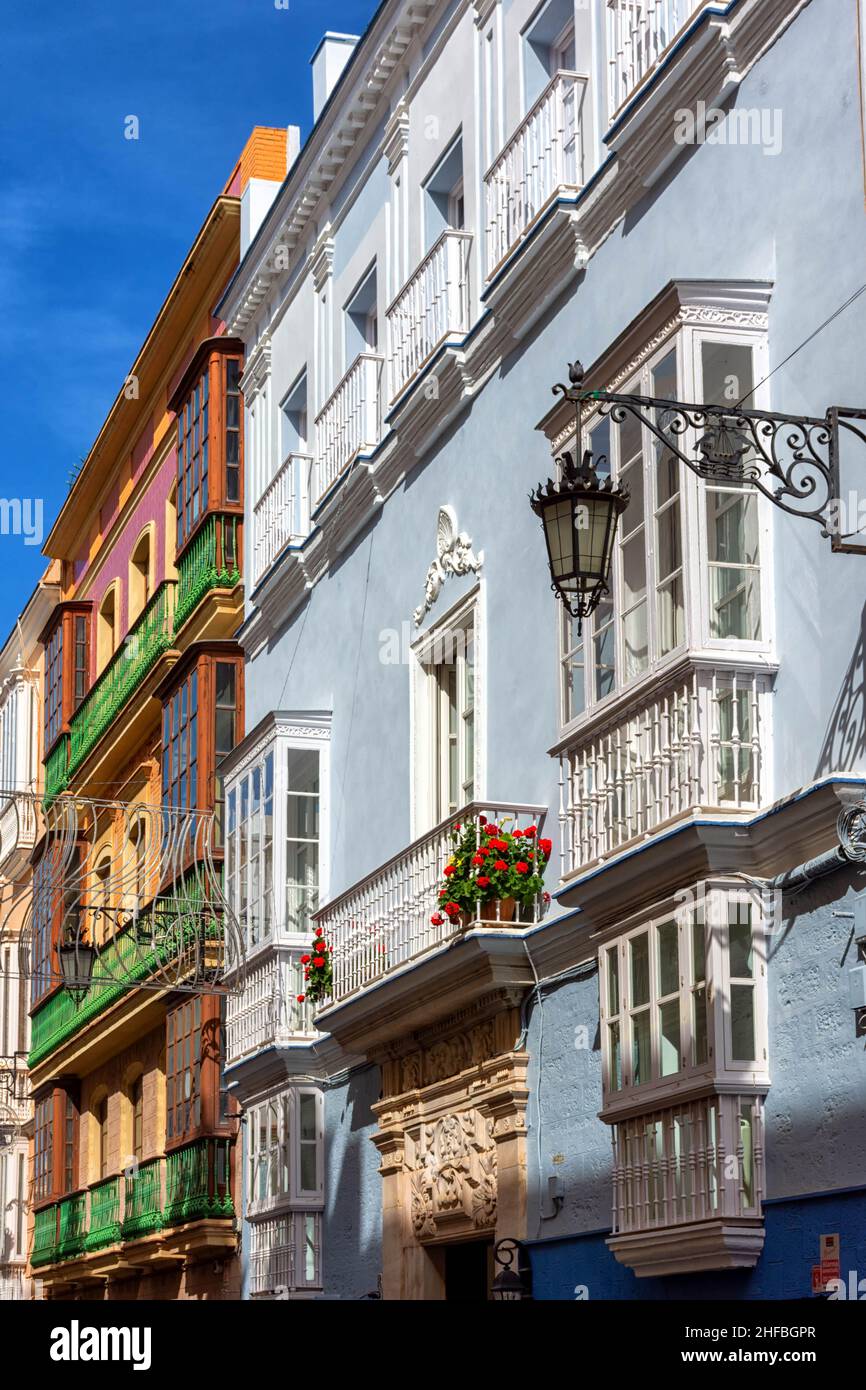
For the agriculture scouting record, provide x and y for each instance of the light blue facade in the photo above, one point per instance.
(787, 225)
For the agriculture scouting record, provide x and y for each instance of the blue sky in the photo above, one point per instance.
(93, 227)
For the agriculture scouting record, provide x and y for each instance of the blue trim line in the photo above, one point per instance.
(720, 10)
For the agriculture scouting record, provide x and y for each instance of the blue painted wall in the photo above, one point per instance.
(352, 1224)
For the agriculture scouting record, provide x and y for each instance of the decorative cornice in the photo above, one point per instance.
(396, 143)
(454, 555)
(483, 10)
(258, 369)
(322, 259)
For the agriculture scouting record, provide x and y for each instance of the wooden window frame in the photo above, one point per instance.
(195, 1021)
(206, 466)
(56, 1142)
(68, 668)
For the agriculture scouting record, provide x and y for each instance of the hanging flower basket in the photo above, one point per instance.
(491, 873)
(318, 970)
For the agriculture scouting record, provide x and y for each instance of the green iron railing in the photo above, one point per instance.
(197, 1182)
(73, 1225)
(151, 634)
(211, 562)
(142, 1209)
(130, 957)
(57, 769)
(104, 1225)
(44, 1237)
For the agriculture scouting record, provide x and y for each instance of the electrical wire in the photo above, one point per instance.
(812, 336)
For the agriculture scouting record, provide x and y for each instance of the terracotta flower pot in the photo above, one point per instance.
(497, 910)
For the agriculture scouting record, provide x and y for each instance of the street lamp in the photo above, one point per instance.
(514, 1280)
(579, 513)
(794, 460)
(77, 958)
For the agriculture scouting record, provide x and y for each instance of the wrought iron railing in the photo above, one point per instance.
(198, 1181)
(72, 1226)
(150, 635)
(103, 1225)
(211, 561)
(433, 304)
(544, 154)
(142, 1207)
(44, 1249)
(57, 768)
(385, 920)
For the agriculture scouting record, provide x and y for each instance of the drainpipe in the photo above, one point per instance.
(851, 828)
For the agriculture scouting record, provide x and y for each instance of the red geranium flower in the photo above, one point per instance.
(522, 867)
(547, 897)
(500, 865)
(319, 931)
(305, 960)
(545, 846)
(517, 834)
(437, 919)
(452, 909)
(531, 830)
(300, 998)
(450, 869)
(306, 974)
(482, 820)
(477, 859)
(483, 881)
(318, 961)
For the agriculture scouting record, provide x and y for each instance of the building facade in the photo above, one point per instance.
(654, 1080)
(133, 1174)
(21, 675)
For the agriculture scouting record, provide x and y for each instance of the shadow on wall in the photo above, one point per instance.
(844, 746)
(352, 1224)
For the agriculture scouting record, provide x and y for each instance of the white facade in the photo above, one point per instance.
(498, 188)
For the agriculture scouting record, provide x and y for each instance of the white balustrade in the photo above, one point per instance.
(432, 305)
(385, 919)
(282, 513)
(266, 1012)
(272, 1254)
(349, 423)
(674, 1166)
(544, 154)
(17, 826)
(699, 742)
(638, 33)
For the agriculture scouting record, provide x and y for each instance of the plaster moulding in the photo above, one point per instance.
(258, 368)
(454, 555)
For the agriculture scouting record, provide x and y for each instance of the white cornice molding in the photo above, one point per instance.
(454, 556)
(322, 259)
(323, 158)
(396, 143)
(483, 10)
(257, 370)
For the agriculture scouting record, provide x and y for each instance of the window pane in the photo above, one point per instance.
(641, 1060)
(669, 1034)
(613, 981)
(740, 943)
(699, 952)
(699, 1027)
(639, 953)
(615, 1057)
(743, 1023)
(728, 373)
(308, 1117)
(669, 970)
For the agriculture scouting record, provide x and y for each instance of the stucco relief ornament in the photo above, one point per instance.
(453, 1175)
(454, 555)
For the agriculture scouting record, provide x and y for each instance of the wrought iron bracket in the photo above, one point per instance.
(794, 460)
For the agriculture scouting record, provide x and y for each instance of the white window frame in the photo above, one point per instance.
(287, 1102)
(425, 695)
(686, 342)
(714, 899)
(288, 733)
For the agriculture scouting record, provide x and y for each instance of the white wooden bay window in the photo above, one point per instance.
(285, 1191)
(684, 1066)
(276, 827)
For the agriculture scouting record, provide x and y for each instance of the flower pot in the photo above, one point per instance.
(497, 910)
